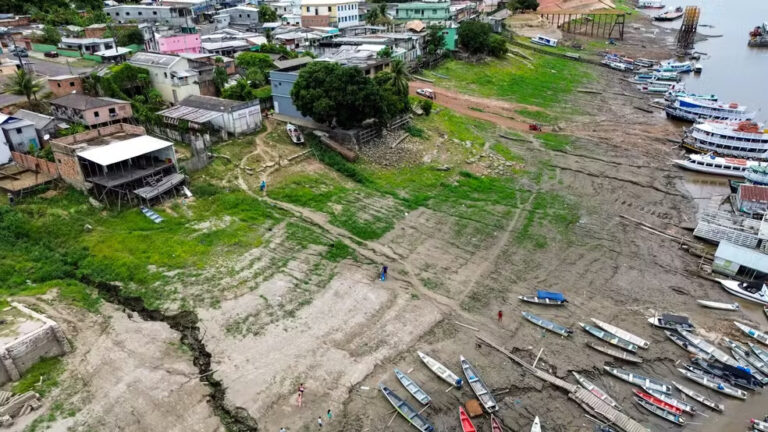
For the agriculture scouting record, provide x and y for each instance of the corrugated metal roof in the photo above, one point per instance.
(123, 150)
(751, 258)
(753, 193)
(195, 115)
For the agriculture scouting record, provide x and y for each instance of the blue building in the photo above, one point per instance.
(282, 80)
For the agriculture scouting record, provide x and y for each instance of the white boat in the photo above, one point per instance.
(741, 351)
(294, 133)
(697, 68)
(536, 426)
(749, 367)
(412, 387)
(742, 139)
(650, 4)
(478, 386)
(441, 371)
(707, 347)
(661, 412)
(637, 340)
(685, 406)
(753, 333)
(672, 95)
(595, 390)
(717, 305)
(616, 353)
(543, 40)
(759, 425)
(692, 110)
(639, 380)
(763, 354)
(714, 384)
(609, 337)
(756, 292)
(549, 325)
(686, 345)
(671, 321)
(698, 397)
(724, 166)
(676, 66)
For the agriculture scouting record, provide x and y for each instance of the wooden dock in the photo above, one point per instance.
(583, 397)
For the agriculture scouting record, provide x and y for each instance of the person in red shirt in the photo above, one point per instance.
(501, 315)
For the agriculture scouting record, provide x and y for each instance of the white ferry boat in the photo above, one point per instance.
(744, 139)
(672, 95)
(757, 175)
(689, 109)
(711, 164)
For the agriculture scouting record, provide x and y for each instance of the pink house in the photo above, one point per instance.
(179, 43)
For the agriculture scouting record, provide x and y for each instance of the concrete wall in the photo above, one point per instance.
(180, 43)
(100, 115)
(63, 87)
(242, 15)
(20, 138)
(282, 83)
(723, 266)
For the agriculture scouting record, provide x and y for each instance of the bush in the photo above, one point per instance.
(426, 106)
(497, 46)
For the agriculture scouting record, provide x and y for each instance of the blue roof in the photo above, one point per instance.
(743, 256)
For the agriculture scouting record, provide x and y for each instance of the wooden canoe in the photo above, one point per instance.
(707, 347)
(739, 350)
(412, 387)
(713, 383)
(698, 397)
(639, 380)
(609, 337)
(619, 354)
(637, 340)
(753, 333)
(549, 325)
(478, 386)
(441, 371)
(686, 345)
(414, 418)
(541, 301)
(495, 424)
(666, 415)
(597, 391)
(466, 423)
(684, 406)
(658, 402)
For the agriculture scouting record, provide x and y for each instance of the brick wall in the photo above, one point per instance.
(35, 164)
(315, 20)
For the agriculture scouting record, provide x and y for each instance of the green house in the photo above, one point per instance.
(429, 13)
(451, 36)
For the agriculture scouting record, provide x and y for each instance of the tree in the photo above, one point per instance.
(267, 14)
(23, 83)
(529, 4)
(373, 16)
(129, 36)
(378, 15)
(385, 52)
(255, 77)
(474, 36)
(249, 60)
(435, 40)
(240, 91)
(497, 46)
(51, 35)
(426, 106)
(333, 94)
(125, 81)
(220, 78)
(395, 102)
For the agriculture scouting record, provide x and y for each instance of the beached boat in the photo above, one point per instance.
(609, 337)
(735, 375)
(549, 325)
(466, 423)
(740, 351)
(495, 424)
(710, 164)
(536, 426)
(765, 310)
(639, 380)
(417, 420)
(763, 354)
(759, 425)
(650, 4)
(616, 353)
(481, 390)
(669, 15)
(294, 133)
(623, 67)
(683, 406)
(698, 397)
(666, 415)
(745, 365)
(686, 345)
(753, 333)
(754, 291)
(545, 298)
(646, 63)
(413, 388)
(676, 66)
(713, 383)
(658, 402)
(627, 336)
(692, 110)
(707, 347)
(742, 139)
(441, 371)
(595, 390)
(718, 305)
(672, 322)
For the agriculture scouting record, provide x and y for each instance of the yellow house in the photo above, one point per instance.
(330, 13)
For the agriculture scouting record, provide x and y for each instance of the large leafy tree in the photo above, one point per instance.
(267, 14)
(333, 94)
(51, 35)
(400, 76)
(24, 84)
(220, 78)
(129, 36)
(474, 36)
(240, 91)
(395, 101)
(435, 40)
(249, 60)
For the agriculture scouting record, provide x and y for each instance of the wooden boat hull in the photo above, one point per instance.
(666, 415)
(659, 403)
(657, 321)
(717, 386)
(548, 325)
(466, 423)
(413, 388)
(411, 415)
(718, 305)
(698, 397)
(597, 391)
(541, 301)
(639, 380)
(622, 355)
(536, 426)
(763, 354)
(750, 357)
(707, 347)
(683, 406)
(441, 371)
(686, 345)
(637, 340)
(753, 333)
(609, 337)
(481, 390)
(495, 424)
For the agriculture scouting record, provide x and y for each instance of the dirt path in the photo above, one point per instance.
(495, 111)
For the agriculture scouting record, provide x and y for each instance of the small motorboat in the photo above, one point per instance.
(639, 380)
(595, 390)
(753, 333)
(466, 423)
(481, 390)
(698, 397)
(756, 292)
(412, 387)
(441, 371)
(294, 133)
(740, 351)
(615, 353)
(658, 402)
(710, 349)
(545, 298)
(536, 426)
(759, 425)
(670, 15)
(637, 340)
(697, 68)
(666, 415)
(684, 406)
(713, 383)
(549, 325)
(609, 337)
(410, 414)
(495, 424)
(672, 322)
(686, 345)
(717, 305)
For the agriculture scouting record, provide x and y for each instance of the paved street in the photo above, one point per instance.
(51, 68)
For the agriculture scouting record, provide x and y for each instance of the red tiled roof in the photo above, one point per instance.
(753, 193)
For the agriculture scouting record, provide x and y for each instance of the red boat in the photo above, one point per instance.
(495, 425)
(466, 423)
(659, 403)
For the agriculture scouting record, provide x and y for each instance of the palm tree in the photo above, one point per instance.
(23, 83)
(399, 77)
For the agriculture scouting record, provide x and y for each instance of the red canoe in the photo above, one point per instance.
(659, 403)
(495, 425)
(466, 423)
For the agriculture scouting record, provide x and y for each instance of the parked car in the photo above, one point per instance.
(52, 54)
(427, 93)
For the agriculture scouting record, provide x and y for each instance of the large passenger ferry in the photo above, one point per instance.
(746, 139)
(711, 164)
(689, 109)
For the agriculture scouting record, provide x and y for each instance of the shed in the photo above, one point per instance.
(752, 199)
(738, 261)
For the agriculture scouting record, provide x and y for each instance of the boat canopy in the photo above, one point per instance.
(550, 295)
(678, 319)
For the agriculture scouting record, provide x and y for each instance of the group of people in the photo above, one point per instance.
(300, 398)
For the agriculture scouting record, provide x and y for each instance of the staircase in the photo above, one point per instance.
(151, 214)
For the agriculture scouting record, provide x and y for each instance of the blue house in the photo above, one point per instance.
(282, 80)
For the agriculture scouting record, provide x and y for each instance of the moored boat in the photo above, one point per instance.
(595, 390)
(746, 354)
(718, 305)
(609, 337)
(545, 298)
(536, 426)
(707, 347)
(294, 133)
(412, 387)
(650, 4)
(759, 425)
(753, 333)
(669, 15)
(698, 397)
(755, 291)
(481, 390)
(549, 325)
(743, 139)
(713, 383)
(666, 415)
(749, 368)
(672, 95)
(692, 110)
(495, 424)
(710, 164)
(672, 65)
(683, 406)
(466, 423)
(758, 175)
(657, 402)
(441, 371)
(637, 340)
(734, 375)
(638, 380)
(686, 345)
(671, 321)
(414, 418)
(619, 354)
(763, 354)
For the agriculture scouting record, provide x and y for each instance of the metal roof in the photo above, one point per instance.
(285, 64)
(746, 257)
(40, 120)
(153, 59)
(211, 103)
(195, 115)
(83, 102)
(757, 193)
(123, 150)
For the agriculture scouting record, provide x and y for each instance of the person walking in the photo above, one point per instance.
(263, 185)
(329, 415)
(384, 273)
(319, 422)
(301, 393)
(501, 315)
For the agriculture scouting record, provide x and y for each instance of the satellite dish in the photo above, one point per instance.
(46, 137)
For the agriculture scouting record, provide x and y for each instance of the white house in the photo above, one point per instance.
(235, 117)
(171, 75)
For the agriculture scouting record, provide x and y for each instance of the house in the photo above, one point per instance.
(63, 85)
(87, 45)
(45, 126)
(226, 47)
(205, 61)
(17, 134)
(330, 13)
(170, 41)
(497, 20)
(90, 111)
(236, 117)
(741, 262)
(438, 13)
(282, 79)
(119, 164)
(177, 16)
(752, 199)
(113, 55)
(281, 8)
(291, 19)
(363, 57)
(242, 16)
(172, 75)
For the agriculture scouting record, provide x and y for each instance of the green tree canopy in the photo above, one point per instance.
(240, 91)
(497, 46)
(129, 36)
(267, 14)
(435, 40)
(220, 78)
(474, 36)
(333, 94)
(249, 60)
(515, 5)
(51, 35)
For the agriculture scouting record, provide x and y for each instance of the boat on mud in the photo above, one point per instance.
(675, 66)
(741, 139)
(684, 406)
(615, 353)
(545, 298)
(466, 423)
(718, 305)
(753, 333)
(666, 415)
(495, 424)
(637, 340)
(549, 325)
(672, 322)
(536, 426)
(481, 390)
(441, 371)
(650, 4)
(686, 345)
(752, 291)
(745, 365)
(710, 349)
(414, 418)
(693, 110)
(763, 354)
(609, 337)
(597, 391)
(658, 402)
(294, 133)
(735, 375)
(700, 398)
(639, 380)
(740, 351)
(759, 425)
(669, 15)
(713, 383)
(412, 387)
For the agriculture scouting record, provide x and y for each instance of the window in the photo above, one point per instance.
(139, 13)
(117, 13)
(239, 15)
(96, 114)
(307, 9)
(247, 15)
(112, 111)
(59, 84)
(18, 131)
(165, 74)
(154, 12)
(71, 84)
(127, 13)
